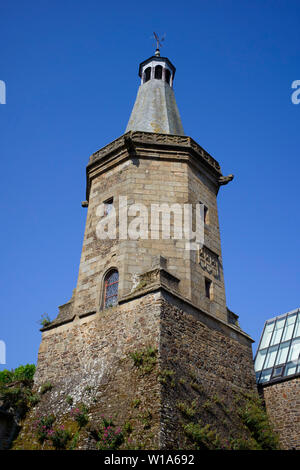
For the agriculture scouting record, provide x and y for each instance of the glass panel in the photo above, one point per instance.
(265, 375)
(295, 350)
(111, 301)
(277, 371)
(278, 331)
(282, 352)
(111, 289)
(267, 335)
(257, 376)
(290, 369)
(297, 327)
(113, 277)
(259, 361)
(289, 327)
(270, 359)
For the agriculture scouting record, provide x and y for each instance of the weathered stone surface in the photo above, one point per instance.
(94, 353)
(161, 169)
(162, 305)
(283, 406)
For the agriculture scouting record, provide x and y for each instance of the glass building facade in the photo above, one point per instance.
(278, 353)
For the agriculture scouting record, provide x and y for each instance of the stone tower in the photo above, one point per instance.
(147, 330)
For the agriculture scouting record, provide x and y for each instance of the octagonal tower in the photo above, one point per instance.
(149, 296)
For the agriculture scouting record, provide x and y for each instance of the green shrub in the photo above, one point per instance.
(46, 387)
(21, 373)
(59, 437)
(33, 399)
(187, 410)
(74, 441)
(203, 437)
(16, 388)
(144, 360)
(146, 418)
(136, 403)
(242, 443)
(45, 320)
(256, 420)
(166, 375)
(80, 414)
(128, 428)
(69, 400)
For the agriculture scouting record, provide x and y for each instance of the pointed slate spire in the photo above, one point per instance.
(155, 108)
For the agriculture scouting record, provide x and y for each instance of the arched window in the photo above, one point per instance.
(158, 72)
(168, 76)
(147, 74)
(111, 283)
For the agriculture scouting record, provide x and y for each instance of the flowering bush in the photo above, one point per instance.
(110, 438)
(80, 415)
(43, 426)
(45, 432)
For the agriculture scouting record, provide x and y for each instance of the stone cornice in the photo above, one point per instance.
(125, 147)
(181, 302)
(156, 139)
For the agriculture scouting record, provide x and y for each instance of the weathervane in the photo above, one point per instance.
(158, 43)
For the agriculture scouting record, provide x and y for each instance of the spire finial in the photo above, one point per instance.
(158, 43)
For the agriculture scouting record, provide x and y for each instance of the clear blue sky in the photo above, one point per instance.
(71, 73)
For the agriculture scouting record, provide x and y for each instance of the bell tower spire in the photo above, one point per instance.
(155, 109)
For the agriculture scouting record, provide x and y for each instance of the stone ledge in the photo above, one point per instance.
(57, 323)
(156, 139)
(207, 318)
(124, 148)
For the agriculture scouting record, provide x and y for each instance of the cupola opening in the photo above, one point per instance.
(168, 76)
(158, 72)
(147, 74)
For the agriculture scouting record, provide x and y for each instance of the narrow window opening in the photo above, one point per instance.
(205, 213)
(111, 284)
(206, 218)
(158, 72)
(108, 205)
(208, 288)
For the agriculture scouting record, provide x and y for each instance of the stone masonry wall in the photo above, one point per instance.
(283, 406)
(199, 358)
(210, 265)
(210, 366)
(89, 360)
(151, 177)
